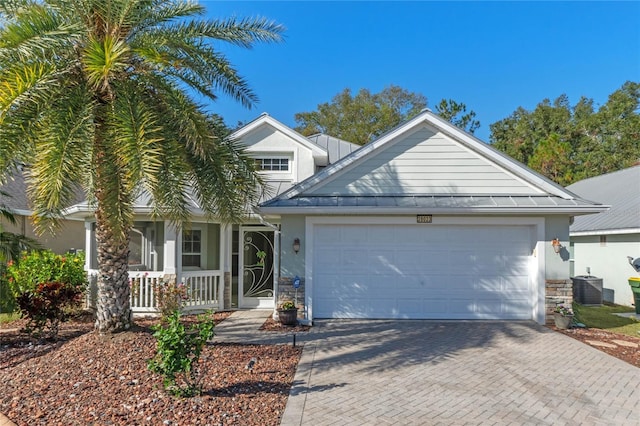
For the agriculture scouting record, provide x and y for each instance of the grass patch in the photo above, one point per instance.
(602, 317)
(10, 317)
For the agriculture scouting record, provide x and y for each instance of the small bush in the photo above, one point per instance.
(47, 306)
(170, 297)
(44, 266)
(178, 353)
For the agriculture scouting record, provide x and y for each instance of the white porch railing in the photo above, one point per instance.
(142, 284)
(202, 289)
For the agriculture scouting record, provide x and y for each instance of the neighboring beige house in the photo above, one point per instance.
(601, 243)
(69, 237)
(427, 222)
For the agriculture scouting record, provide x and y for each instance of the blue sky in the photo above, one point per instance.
(493, 56)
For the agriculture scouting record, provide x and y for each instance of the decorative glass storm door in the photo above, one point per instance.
(255, 280)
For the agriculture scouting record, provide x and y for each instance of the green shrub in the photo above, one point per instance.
(47, 306)
(7, 299)
(178, 353)
(45, 266)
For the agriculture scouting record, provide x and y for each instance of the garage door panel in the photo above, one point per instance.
(420, 258)
(421, 272)
(326, 259)
(354, 235)
(488, 306)
(329, 235)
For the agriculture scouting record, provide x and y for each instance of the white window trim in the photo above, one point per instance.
(203, 248)
(276, 156)
(279, 159)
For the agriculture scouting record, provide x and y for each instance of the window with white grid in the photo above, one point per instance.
(273, 164)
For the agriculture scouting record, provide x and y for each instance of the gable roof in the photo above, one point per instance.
(620, 189)
(265, 119)
(524, 191)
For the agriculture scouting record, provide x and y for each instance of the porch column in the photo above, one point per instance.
(225, 255)
(170, 248)
(88, 246)
(92, 289)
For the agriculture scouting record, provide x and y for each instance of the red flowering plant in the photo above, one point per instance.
(170, 296)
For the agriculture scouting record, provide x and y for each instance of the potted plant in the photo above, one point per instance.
(563, 316)
(288, 313)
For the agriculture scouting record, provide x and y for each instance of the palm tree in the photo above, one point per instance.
(100, 94)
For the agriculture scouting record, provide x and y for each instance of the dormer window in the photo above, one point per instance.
(273, 164)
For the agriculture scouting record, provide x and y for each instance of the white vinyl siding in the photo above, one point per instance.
(425, 162)
(423, 272)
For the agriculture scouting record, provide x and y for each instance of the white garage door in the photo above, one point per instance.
(422, 272)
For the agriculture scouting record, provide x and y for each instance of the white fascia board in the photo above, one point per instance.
(311, 210)
(317, 151)
(21, 212)
(78, 211)
(605, 232)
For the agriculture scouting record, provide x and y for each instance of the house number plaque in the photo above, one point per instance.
(423, 218)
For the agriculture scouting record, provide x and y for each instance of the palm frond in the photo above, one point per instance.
(139, 137)
(21, 83)
(5, 212)
(12, 245)
(63, 156)
(245, 32)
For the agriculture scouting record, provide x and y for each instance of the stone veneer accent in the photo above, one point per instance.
(287, 292)
(556, 292)
(226, 282)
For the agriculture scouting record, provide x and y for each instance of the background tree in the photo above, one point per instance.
(364, 117)
(456, 113)
(590, 142)
(361, 118)
(97, 94)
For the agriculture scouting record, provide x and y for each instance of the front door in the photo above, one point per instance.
(255, 281)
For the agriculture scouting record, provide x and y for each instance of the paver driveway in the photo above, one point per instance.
(426, 372)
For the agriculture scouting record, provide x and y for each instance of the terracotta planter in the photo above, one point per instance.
(288, 316)
(562, 321)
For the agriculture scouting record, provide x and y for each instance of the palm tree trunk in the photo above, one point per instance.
(113, 304)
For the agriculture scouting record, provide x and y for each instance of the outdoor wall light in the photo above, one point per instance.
(557, 246)
(296, 245)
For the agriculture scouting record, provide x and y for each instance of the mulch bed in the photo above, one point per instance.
(590, 335)
(272, 325)
(87, 379)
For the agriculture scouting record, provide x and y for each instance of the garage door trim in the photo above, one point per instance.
(537, 275)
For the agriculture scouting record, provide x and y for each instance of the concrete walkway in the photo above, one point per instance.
(426, 372)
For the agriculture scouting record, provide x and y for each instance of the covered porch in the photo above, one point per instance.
(223, 266)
